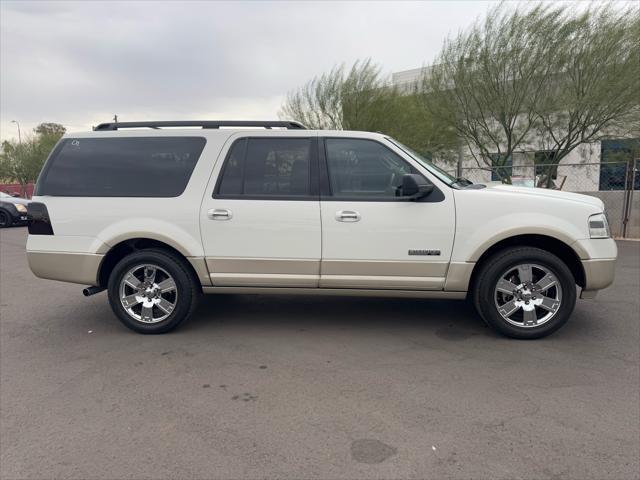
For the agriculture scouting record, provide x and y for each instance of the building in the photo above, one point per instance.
(605, 168)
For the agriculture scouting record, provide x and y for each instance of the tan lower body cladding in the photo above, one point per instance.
(284, 273)
(307, 273)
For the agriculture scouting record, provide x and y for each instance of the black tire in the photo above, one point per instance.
(491, 271)
(187, 289)
(5, 219)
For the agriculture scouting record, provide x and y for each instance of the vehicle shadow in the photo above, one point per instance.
(448, 318)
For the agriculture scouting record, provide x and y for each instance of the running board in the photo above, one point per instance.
(350, 292)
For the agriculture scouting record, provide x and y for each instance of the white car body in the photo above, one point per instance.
(302, 247)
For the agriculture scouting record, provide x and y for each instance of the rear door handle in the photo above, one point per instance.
(219, 214)
(347, 216)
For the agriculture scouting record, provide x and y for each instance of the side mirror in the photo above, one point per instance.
(415, 186)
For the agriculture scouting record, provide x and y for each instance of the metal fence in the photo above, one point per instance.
(615, 183)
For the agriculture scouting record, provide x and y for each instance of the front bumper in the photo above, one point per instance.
(598, 257)
(598, 274)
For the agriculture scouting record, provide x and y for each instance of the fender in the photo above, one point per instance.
(154, 229)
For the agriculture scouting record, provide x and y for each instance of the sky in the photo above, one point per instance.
(79, 63)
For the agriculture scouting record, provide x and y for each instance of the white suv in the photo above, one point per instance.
(158, 215)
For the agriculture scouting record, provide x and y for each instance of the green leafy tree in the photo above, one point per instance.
(540, 79)
(360, 98)
(340, 99)
(50, 129)
(486, 80)
(595, 93)
(22, 161)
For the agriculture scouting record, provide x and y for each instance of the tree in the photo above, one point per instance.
(48, 134)
(22, 161)
(540, 79)
(50, 129)
(485, 81)
(361, 99)
(595, 92)
(340, 99)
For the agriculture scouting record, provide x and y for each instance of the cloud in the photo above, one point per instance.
(78, 63)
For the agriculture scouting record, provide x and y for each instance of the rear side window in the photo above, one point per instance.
(121, 167)
(267, 167)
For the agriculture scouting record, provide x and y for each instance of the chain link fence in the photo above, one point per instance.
(615, 183)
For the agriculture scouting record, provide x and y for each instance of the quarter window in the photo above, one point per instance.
(267, 167)
(364, 168)
(121, 167)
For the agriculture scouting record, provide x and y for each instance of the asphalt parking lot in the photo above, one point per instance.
(311, 387)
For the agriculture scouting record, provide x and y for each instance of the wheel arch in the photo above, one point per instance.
(126, 247)
(544, 242)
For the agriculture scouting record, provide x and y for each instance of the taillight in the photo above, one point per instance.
(39, 221)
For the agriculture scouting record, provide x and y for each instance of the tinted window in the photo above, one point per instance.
(363, 168)
(121, 167)
(232, 176)
(267, 167)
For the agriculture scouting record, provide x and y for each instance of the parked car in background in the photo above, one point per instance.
(13, 210)
(158, 217)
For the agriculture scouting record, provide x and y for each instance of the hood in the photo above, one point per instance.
(16, 200)
(545, 192)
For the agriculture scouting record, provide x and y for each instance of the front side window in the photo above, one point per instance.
(121, 167)
(426, 163)
(363, 168)
(267, 167)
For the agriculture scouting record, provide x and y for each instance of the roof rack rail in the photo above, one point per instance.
(203, 124)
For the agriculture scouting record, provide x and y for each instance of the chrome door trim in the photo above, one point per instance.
(381, 282)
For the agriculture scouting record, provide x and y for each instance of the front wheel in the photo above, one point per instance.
(525, 292)
(152, 291)
(5, 219)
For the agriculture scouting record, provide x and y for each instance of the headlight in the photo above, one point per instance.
(598, 226)
(21, 208)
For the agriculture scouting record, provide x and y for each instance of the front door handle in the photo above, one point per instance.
(219, 214)
(347, 216)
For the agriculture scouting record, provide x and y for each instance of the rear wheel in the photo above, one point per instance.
(152, 291)
(525, 292)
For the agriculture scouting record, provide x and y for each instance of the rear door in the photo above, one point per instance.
(371, 237)
(260, 219)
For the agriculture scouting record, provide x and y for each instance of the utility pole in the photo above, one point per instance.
(19, 134)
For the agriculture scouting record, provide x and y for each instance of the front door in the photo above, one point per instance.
(371, 238)
(260, 224)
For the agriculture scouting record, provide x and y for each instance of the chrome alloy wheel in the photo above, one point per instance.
(528, 295)
(148, 293)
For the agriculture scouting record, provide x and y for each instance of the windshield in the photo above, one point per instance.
(437, 171)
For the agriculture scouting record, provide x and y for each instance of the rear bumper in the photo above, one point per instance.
(67, 267)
